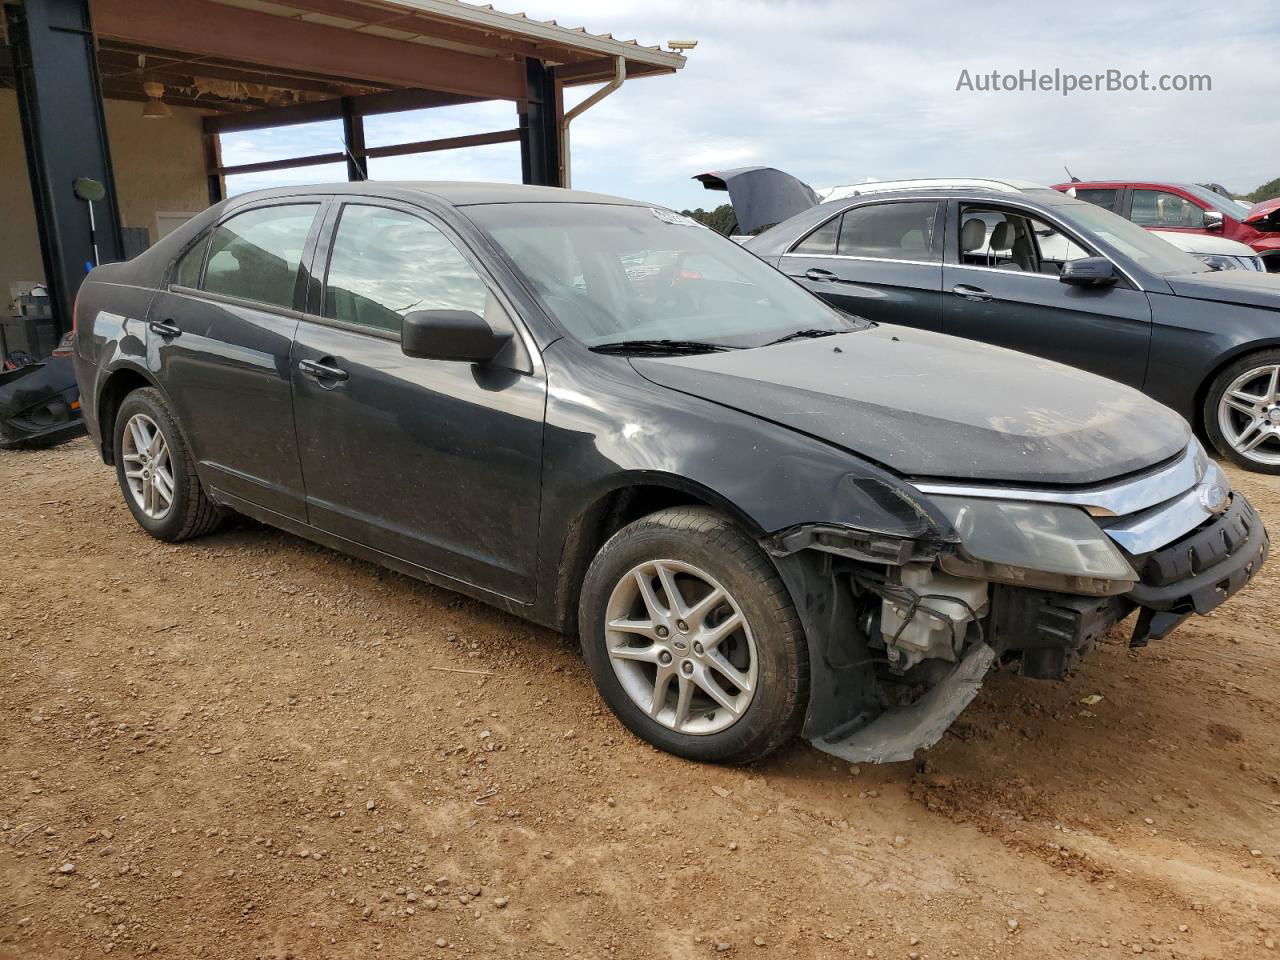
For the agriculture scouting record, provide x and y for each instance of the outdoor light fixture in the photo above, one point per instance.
(155, 108)
(682, 44)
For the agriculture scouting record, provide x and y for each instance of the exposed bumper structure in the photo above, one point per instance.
(1191, 543)
(39, 404)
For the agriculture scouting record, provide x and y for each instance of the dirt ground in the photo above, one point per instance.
(248, 746)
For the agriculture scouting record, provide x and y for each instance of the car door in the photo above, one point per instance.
(879, 260)
(219, 336)
(431, 461)
(1001, 272)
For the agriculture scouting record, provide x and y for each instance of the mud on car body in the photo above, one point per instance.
(762, 517)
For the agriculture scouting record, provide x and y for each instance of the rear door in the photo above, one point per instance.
(1001, 274)
(879, 260)
(218, 340)
(435, 462)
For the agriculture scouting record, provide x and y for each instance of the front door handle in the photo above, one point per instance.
(323, 370)
(164, 328)
(976, 294)
(820, 275)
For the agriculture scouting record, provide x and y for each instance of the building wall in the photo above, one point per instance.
(19, 245)
(158, 164)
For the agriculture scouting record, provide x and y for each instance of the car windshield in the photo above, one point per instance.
(1142, 247)
(1216, 200)
(613, 274)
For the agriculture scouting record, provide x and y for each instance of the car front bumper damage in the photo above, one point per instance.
(1043, 634)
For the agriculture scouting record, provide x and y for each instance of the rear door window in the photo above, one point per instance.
(822, 242)
(1105, 198)
(255, 255)
(890, 231)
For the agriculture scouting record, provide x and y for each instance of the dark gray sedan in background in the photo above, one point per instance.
(760, 516)
(1038, 271)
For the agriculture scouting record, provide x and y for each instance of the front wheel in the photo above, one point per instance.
(1242, 412)
(692, 638)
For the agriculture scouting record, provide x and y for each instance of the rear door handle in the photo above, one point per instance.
(976, 294)
(164, 328)
(322, 369)
(820, 275)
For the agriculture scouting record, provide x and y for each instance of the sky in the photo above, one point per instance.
(839, 92)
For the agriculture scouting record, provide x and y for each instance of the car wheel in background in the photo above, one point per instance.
(692, 638)
(156, 472)
(1242, 412)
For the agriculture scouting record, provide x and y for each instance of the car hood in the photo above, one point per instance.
(928, 405)
(1246, 287)
(1260, 211)
(1205, 243)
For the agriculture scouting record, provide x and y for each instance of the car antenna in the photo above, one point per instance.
(1074, 178)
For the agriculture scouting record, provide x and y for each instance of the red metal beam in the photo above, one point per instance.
(394, 150)
(314, 160)
(211, 29)
(444, 143)
(392, 101)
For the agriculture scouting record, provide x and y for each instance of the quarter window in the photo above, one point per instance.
(1159, 208)
(255, 254)
(187, 273)
(386, 263)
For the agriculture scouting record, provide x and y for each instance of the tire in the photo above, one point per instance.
(1254, 381)
(700, 551)
(190, 512)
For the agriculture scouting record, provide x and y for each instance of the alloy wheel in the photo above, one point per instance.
(147, 467)
(681, 647)
(1249, 414)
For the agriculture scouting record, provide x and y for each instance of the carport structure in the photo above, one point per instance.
(89, 76)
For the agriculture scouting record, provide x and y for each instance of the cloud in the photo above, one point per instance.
(835, 92)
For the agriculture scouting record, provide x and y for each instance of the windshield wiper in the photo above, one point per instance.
(660, 346)
(804, 335)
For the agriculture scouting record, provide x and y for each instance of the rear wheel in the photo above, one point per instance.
(1242, 412)
(692, 638)
(156, 472)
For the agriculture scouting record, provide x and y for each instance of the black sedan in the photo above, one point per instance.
(1041, 272)
(761, 516)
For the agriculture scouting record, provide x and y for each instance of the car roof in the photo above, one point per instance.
(1001, 185)
(1108, 184)
(458, 193)
(1035, 192)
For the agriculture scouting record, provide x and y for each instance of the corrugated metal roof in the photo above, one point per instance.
(405, 19)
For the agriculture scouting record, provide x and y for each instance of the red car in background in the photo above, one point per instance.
(1188, 208)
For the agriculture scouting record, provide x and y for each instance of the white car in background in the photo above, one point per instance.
(1218, 252)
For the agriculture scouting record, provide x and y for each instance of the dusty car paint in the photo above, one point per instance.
(502, 481)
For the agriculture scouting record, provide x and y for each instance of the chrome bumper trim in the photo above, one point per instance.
(1129, 496)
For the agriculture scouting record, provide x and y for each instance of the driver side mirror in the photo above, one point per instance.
(1212, 220)
(1089, 272)
(460, 335)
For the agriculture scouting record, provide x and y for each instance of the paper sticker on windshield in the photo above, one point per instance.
(678, 219)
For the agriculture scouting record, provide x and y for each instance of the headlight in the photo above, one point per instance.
(1018, 542)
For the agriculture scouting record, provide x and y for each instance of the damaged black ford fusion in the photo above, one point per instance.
(761, 516)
